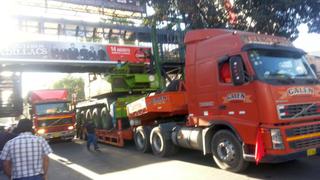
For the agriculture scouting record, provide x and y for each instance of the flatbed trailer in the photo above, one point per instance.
(160, 105)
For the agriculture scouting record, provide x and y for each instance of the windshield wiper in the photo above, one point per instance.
(282, 78)
(313, 81)
(286, 81)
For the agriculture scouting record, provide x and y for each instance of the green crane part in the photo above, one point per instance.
(132, 78)
(121, 105)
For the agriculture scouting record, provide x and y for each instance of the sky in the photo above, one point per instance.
(309, 42)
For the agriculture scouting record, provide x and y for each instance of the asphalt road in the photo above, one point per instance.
(72, 161)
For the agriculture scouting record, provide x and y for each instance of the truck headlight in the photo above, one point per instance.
(41, 131)
(277, 142)
(70, 128)
(151, 78)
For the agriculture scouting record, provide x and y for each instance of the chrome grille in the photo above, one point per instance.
(54, 122)
(303, 130)
(298, 110)
(305, 143)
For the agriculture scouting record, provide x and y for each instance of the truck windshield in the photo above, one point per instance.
(281, 67)
(52, 108)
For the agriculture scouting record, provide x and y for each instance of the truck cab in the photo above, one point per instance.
(259, 87)
(52, 114)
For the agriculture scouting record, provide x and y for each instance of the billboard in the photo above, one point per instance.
(127, 5)
(75, 51)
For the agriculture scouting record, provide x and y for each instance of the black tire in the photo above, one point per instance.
(88, 115)
(161, 143)
(222, 142)
(142, 138)
(96, 117)
(106, 119)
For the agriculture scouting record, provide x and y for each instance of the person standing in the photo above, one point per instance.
(73, 52)
(4, 138)
(101, 54)
(92, 54)
(84, 53)
(26, 156)
(91, 135)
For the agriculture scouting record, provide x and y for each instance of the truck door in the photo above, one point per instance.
(236, 102)
(204, 90)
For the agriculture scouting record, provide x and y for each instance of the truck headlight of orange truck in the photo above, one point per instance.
(277, 141)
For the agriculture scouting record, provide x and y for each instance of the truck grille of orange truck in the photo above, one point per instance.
(304, 137)
(298, 110)
(305, 143)
(303, 130)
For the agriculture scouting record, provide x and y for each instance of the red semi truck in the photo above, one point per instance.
(245, 97)
(52, 114)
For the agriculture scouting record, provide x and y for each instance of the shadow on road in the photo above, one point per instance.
(297, 169)
(113, 159)
(108, 159)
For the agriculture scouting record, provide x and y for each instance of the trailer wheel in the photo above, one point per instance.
(88, 115)
(106, 119)
(227, 152)
(96, 117)
(161, 143)
(141, 138)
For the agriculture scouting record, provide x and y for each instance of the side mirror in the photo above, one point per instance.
(237, 70)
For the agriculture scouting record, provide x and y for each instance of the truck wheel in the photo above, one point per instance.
(88, 115)
(96, 117)
(141, 138)
(161, 143)
(227, 152)
(106, 119)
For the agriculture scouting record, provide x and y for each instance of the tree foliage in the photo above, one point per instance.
(279, 17)
(73, 84)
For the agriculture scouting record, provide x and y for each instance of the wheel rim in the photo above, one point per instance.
(226, 151)
(140, 139)
(157, 143)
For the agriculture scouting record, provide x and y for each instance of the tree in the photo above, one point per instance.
(73, 84)
(278, 17)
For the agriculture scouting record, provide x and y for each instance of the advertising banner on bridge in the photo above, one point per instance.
(75, 51)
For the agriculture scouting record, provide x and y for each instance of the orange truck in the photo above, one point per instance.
(245, 97)
(52, 114)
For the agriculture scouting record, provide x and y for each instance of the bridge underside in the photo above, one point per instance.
(68, 66)
(63, 66)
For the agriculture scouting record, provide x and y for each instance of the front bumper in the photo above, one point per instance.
(300, 140)
(64, 135)
(289, 157)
